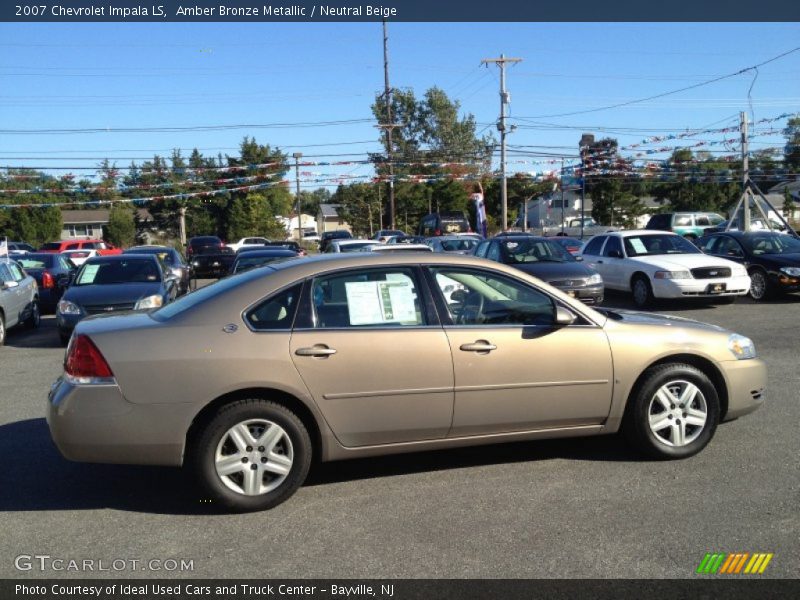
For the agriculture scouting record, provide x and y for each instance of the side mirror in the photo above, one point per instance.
(7, 285)
(564, 317)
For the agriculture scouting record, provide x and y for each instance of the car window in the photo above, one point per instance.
(5, 274)
(614, 243)
(121, 271)
(702, 221)
(64, 263)
(480, 251)
(594, 245)
(276, 312)
(773, 243)
(655, 243)
(682, 221)
(73, 246)
(727, 246)
(475, 297)
(16, 272)
(493, 252)
(367, 298)
(32, 263)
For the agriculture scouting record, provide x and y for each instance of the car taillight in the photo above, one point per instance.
(47, 280)
(84, 362)
(438, 232)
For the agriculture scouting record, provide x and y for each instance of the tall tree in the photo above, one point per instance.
(121, 229)
(791, 151)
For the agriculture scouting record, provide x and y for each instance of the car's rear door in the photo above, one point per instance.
(374, 357)
(514, 369)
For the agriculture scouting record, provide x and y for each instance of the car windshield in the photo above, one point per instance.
(654, 244)
(118, 271)
(771, 243)
(535, 250)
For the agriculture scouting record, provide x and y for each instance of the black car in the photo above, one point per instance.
(213, 265)
(52, 273)
(327, 236)
(110, 284)
(543, 258)
(203, 244)
(171, 258)
(772, 259)
(260, 257)
(289, 245)
(17, 248)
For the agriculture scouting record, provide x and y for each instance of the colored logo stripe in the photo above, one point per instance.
(733, 562)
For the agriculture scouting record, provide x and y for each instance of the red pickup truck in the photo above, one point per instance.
(103, 248)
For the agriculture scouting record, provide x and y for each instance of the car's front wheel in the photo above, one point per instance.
(252, 455)
(2, 329)
(35, 318)
(759, 285)
(673, 412)
(642, 291)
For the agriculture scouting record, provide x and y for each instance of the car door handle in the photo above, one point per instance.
(478, 346)
(319, 351)
(599, 262)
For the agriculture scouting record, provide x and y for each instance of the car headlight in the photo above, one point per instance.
(595, 279)
(65, 307)
(791, 271)
(738, 271)
(149, 302)
(673, 275)
(741, 347)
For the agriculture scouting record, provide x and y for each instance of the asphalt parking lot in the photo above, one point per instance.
(564, 508)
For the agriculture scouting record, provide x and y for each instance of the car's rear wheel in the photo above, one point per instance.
(673, 412)
(35, 318)
(642, 292)
(252, 455)
(759, 285)
(2, 329)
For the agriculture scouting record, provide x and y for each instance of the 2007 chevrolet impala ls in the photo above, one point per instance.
(344, 356)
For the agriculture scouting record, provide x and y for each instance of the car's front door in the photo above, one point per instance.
(515, 370)
(374, 358)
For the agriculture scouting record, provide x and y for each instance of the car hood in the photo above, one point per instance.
(632, 317)
(683, 261)
(117, 293)
(551, 271)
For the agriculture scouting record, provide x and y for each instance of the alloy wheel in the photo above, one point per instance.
(677, 413)
(254, 457)
(758, 285)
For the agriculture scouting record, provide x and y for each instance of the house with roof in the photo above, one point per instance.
(88, 224)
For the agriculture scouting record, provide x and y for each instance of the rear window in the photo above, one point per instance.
(204, 294)
(36, 262)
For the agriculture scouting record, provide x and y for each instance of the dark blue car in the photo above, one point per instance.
(110, 284)
(51, 272)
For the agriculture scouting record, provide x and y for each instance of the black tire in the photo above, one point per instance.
(642, 291)
(35, 318)
(294, 444)
(644, 408)
(760, 288)
(2, 329)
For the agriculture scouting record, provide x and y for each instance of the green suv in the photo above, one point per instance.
(690, 225)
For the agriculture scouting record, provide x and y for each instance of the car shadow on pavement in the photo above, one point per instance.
(45, 481)
(622, 300)
(44, 336)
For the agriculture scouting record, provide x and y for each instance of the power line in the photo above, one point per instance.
(662, 95)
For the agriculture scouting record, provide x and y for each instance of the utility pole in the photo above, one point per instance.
(182, 224)
(389, 125)
(745, 172)
(297, 156)
(501, 126)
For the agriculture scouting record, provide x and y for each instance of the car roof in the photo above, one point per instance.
(267, 252)
(120, 257)
(633, 232)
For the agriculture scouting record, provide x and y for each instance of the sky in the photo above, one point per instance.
(325, 75)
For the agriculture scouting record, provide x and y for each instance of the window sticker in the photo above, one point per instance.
(638, 246)
(378, 302)
(88, 274)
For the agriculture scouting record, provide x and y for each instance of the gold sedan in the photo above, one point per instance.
(345, 356)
